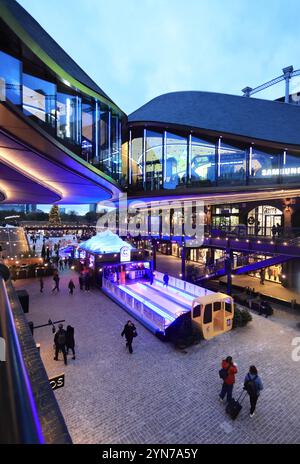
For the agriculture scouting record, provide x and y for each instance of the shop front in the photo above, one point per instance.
(265, 220)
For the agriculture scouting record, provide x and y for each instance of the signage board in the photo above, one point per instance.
(57, 382)
(125, 254)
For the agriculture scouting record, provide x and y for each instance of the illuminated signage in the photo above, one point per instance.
(125, 254)
(282, 172)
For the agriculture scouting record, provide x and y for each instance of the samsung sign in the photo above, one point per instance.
(282, 172)
(125, 254)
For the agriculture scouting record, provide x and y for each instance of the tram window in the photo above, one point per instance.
(228, 307)
(197, 311)
(207, 314)
(217, 306)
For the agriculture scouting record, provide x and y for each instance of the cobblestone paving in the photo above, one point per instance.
(158, 394)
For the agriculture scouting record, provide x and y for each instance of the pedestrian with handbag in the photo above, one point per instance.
(130, 332)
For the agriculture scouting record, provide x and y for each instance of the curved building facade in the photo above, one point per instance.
(196, 141)
(67, 128)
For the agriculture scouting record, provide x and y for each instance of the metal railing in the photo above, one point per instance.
(19, 422)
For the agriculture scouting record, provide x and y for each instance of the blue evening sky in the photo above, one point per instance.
(138, 49)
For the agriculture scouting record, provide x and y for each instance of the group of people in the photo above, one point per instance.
(56, 280)
(65, 263)
(64, 341)
(84, 280)
(276, 230)
(252, 383)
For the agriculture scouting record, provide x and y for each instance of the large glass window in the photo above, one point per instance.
(231, 164)
(87, 141)
(69, 118)
(154, 168)
(10, 78)
(136, 159)
(116, 146)
(105, 158)
(39, 99)
(202, 162)
(263, 167)
(176, 150)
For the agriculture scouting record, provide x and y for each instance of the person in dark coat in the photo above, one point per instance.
(166, 279)
(151, 277)
(71, 286)
(130, 332)
(60, 343)
(87, 282)
(41, 284)
(80, 280)
(70, 341)
(56, 281)
(253, 385)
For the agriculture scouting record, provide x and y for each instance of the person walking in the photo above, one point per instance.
(166, 279)
(87, 282)
(80, 280)
(262, 276)
(253, 385)
(227, 374)
(60, 343)
(61, 264)
(130, 332)
(56, 281)
(70, 341)
(41, 284)
(71, 286)
(151, 278)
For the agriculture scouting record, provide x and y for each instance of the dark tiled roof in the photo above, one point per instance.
(49, 46)
(226, 114)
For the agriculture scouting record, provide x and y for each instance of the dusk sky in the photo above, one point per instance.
(138, 49)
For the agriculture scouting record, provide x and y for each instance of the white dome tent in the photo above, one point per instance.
(105, 242)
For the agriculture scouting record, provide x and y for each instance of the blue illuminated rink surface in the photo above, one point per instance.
(160, 395)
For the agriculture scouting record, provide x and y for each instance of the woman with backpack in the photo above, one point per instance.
(253, 385)
(227, 374)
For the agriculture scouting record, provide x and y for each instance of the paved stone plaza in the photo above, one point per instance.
(160, 395)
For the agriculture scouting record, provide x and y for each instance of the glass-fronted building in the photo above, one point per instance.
(40, 80)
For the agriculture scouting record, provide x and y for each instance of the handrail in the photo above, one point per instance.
(19, 422)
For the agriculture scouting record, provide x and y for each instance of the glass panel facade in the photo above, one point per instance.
(69, 118)
(39, 99)
(83, 124)
(105, 158)
(291, 167)
(202, 163)
(154, 160)
(175, 161)
(231, 165)
(136, 160)
(10, 78)
(88, 130)
(116, 166)
(264, 168)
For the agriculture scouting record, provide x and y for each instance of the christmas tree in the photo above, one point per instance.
(54, 217)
